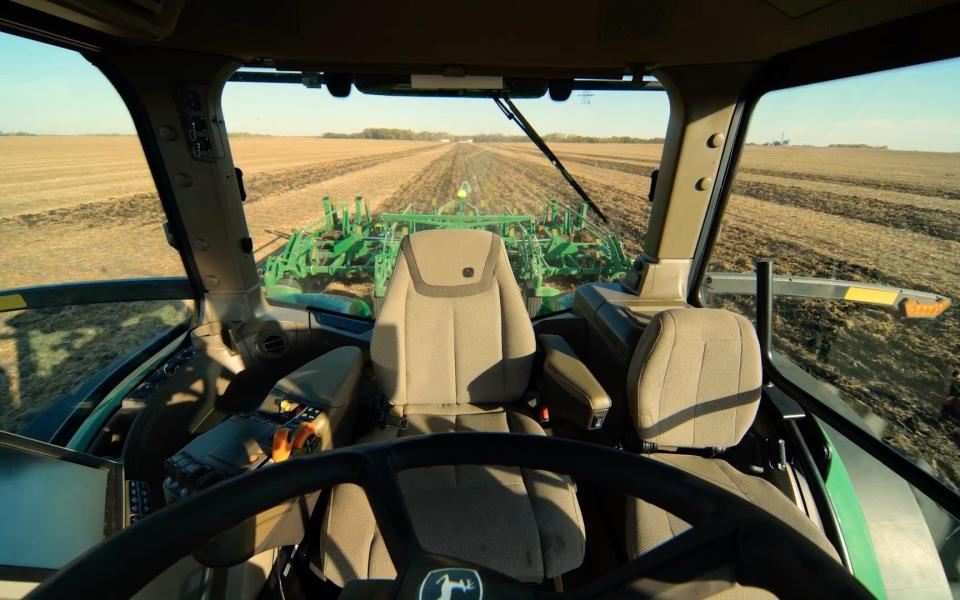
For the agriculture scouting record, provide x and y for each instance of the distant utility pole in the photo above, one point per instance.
(585, 96)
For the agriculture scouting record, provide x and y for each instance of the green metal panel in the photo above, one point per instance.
(853, 525)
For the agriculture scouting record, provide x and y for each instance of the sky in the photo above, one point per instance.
(49, 90)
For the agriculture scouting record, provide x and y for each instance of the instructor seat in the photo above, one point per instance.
(452, 349)
(694, 383)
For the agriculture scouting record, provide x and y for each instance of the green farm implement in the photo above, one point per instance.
(347, 249)
(559, 246)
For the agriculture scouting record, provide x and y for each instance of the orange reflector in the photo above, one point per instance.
(914, 309)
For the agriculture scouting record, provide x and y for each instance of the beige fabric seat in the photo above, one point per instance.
(694, 382)
(452, 350)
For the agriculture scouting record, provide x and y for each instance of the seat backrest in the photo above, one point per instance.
(694, 379)
(453, 328)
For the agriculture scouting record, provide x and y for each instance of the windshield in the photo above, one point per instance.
(334, 183)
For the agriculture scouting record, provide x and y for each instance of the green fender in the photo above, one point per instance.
(853, 525)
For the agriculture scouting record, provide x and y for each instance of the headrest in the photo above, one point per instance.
(694, 380)
(451, 262)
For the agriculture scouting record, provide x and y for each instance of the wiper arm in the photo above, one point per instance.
(514, 114)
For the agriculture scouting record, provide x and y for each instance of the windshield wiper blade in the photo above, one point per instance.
(514, 114)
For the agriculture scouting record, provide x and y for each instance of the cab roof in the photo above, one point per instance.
(532, 38)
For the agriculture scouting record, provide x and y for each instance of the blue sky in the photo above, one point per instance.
(48, 90)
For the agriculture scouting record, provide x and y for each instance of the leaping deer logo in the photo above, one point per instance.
(447, 586)
(466, 582)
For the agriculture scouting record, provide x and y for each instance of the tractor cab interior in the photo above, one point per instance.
(510, 402)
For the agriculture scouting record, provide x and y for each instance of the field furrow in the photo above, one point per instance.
(271, 220)
(944, 224)
(873, 183)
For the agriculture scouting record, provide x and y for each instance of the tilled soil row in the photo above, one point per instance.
(289, 180)
(878, 184)
(562, 153)
(503, 185)
(634, 166)
(495, 186)
(938, 223)
(433, 186)
(144, 208)
(645, 166)
(628, 213)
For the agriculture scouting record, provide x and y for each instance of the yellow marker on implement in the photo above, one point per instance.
(858, 294)
(12, 302)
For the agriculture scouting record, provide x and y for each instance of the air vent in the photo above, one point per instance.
(272, 345)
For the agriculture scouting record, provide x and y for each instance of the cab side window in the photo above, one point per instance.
(77, 204)
(856, 181)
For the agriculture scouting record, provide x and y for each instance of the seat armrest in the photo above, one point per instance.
(329, 382)
(570, 391)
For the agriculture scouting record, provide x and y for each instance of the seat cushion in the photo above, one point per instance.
(649, 526)
(523, 523)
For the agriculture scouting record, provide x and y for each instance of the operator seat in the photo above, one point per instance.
(452, 349)
(694, 383)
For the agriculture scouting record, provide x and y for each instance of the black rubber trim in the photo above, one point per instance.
(99, 292)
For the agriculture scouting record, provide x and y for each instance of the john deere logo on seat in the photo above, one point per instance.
(451, 584)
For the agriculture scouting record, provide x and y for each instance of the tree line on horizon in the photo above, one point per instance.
(386, 133)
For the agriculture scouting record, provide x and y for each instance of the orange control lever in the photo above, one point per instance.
(282, 445)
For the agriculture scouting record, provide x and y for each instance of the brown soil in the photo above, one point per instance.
(85, 208)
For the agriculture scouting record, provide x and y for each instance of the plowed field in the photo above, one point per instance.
(85, 208)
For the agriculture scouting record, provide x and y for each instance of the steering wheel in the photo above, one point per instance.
(730, 539)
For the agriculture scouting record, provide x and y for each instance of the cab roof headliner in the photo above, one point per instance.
(539, 38)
